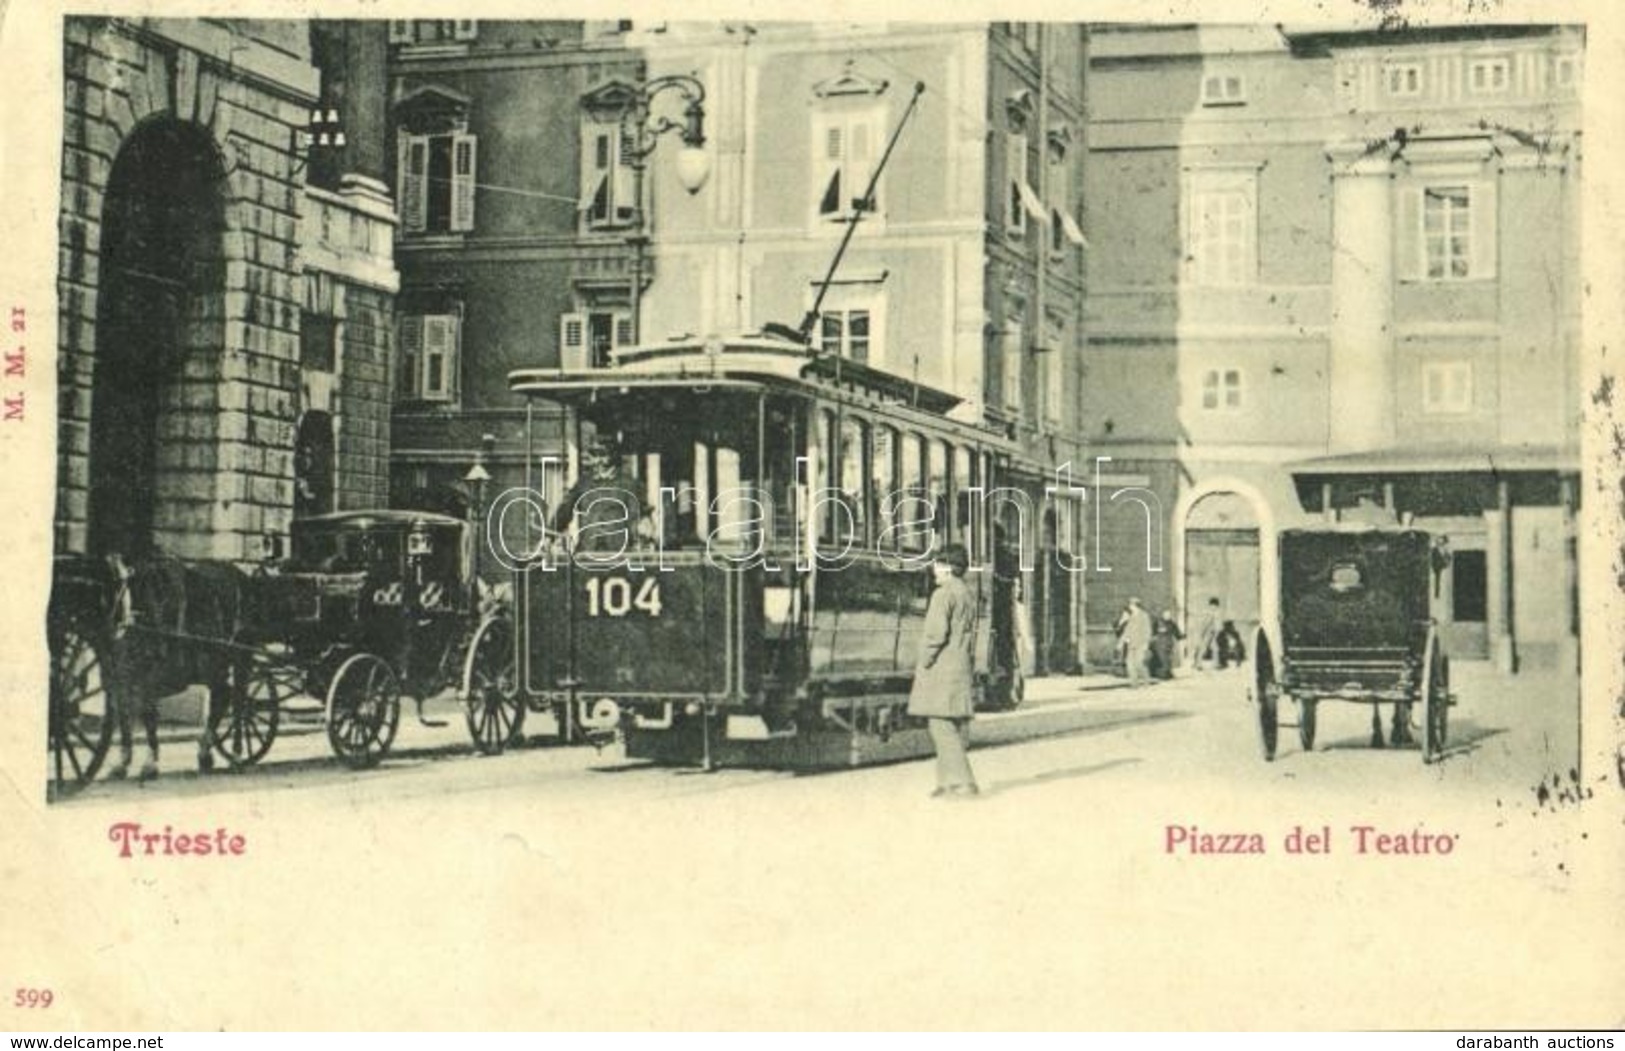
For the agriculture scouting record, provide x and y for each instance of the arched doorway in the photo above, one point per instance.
(160, 299)
(1222, 561)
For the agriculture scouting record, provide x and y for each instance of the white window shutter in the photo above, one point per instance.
(1486, 228)
(411, 355)
(464, 166)
(1408, 247)
(400, 31)
(622, 334)
(464, 29)
(572, 341)
(412, 171)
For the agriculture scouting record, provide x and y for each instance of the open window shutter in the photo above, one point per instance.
(1408, 234)
(596, 157)
(464, 29)
(464, 164)
(1486, 228)
(572, 341)
(413, 174)
(411, 355)
(400, 31)
(622, 335)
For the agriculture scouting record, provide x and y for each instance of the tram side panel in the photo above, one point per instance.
(653, 641)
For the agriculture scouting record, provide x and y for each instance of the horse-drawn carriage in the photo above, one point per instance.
(367, 605)
(1354, 626)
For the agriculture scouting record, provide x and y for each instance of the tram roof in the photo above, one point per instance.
(752, 362)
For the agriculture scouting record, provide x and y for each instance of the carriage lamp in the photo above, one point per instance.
(418, 541)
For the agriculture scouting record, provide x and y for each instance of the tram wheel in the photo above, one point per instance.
(81, 709)
(363, 710)
(1306, 725)
(491, 695)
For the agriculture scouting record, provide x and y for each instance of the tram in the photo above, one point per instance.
(756, 593)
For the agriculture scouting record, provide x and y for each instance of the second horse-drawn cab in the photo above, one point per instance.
(1355, 625)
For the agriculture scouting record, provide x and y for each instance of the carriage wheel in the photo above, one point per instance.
(363, 709)
(242, 730)
(81, 712)
(1435, 699)
(1306, 725)
(1267, 692)
(496, 711)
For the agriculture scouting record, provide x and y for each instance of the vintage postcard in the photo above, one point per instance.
(812, 518)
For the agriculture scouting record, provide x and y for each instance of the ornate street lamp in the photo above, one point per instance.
(640, 134)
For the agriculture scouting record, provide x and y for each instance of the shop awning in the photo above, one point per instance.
(1453, 460)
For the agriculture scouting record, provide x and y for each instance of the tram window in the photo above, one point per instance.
(823, 458)
(883, 490)
(937, 486)
(959, 481)
(734, 516)
(778, 464)
(854, 448)
(911, 514)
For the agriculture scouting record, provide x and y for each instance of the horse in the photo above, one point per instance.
(173, 623)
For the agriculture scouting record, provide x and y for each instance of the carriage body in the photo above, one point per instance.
(396, 583)
(1355, 625)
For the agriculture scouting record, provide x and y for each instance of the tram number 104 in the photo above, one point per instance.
(616, 597)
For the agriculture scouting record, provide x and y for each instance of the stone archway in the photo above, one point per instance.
(1222, 560)
(154, 410)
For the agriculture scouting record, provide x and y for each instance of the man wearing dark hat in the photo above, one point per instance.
(942, 690)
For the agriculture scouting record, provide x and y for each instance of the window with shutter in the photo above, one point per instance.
(1451, 232)
(436, 177)
(608, 183)
(844, 153)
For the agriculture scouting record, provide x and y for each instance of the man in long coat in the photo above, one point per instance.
(942, 690)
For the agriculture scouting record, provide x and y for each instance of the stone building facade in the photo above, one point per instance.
(225, 329)
(1336, 277)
